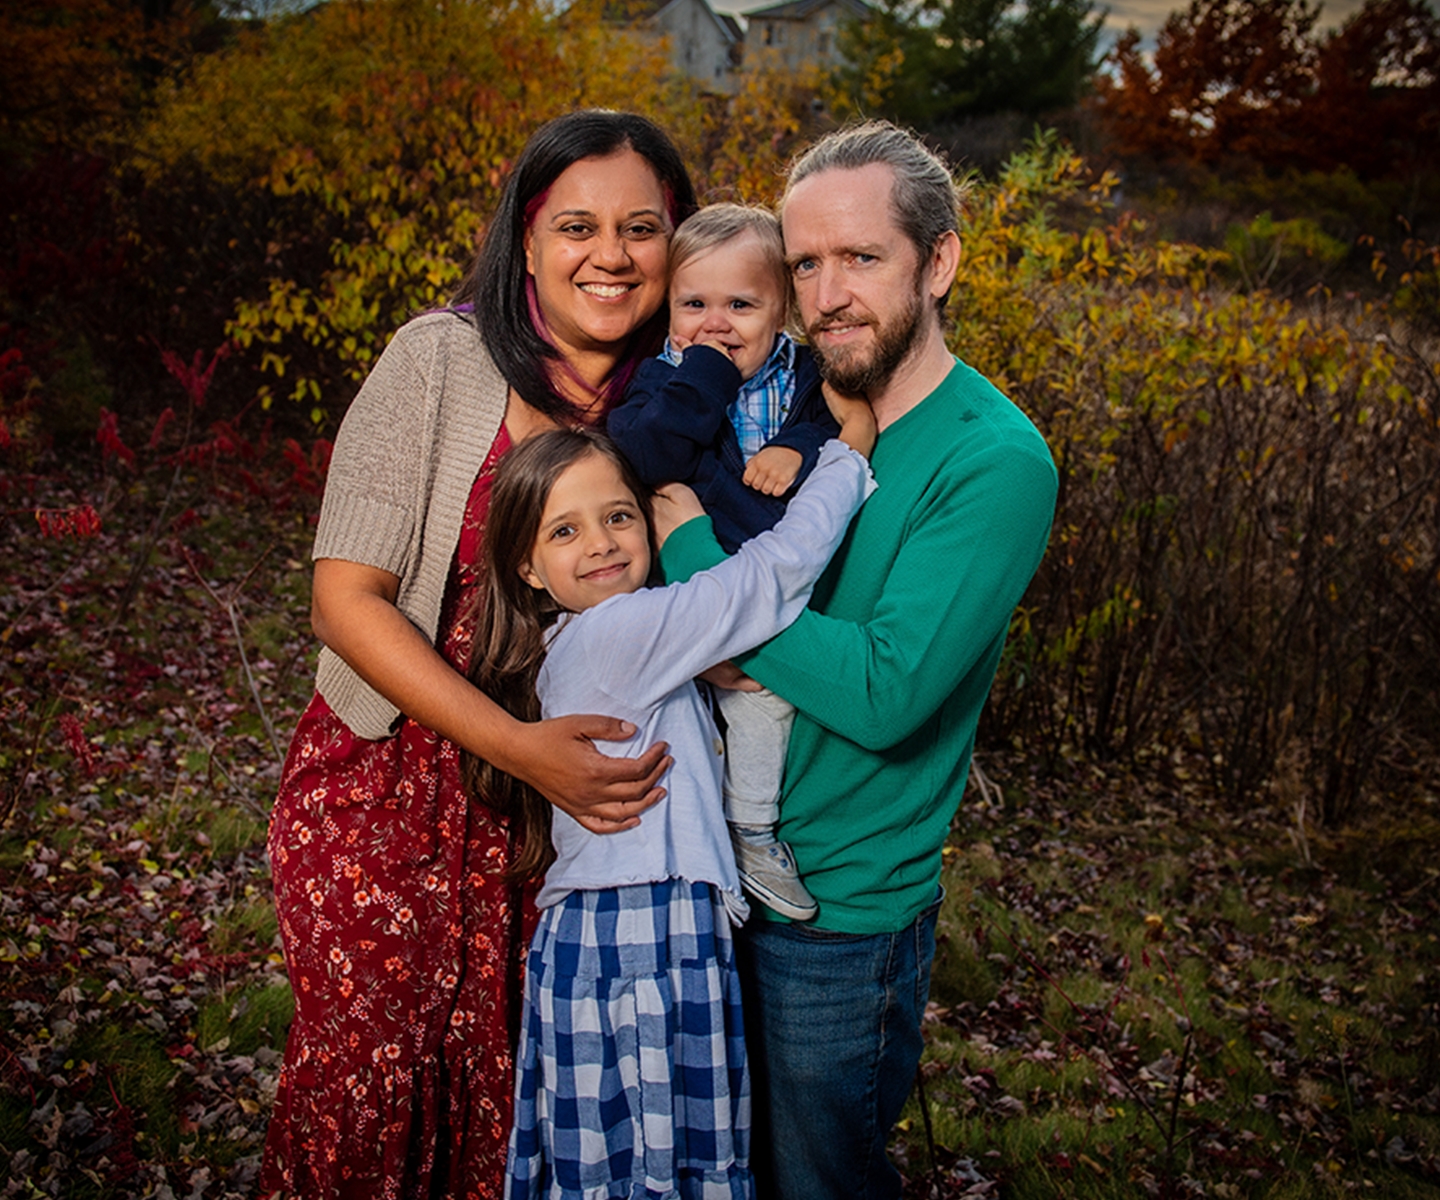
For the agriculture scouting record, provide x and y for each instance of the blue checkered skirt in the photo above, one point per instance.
(631, 1082)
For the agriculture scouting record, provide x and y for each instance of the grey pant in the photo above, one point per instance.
(758, 734)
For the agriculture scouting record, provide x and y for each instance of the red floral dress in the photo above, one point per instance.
(404, 950)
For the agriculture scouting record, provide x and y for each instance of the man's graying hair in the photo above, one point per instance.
(926, 198)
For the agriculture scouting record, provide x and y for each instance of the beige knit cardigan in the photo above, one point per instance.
(405, 460)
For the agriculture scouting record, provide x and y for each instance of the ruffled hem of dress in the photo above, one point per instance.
(388, 1133)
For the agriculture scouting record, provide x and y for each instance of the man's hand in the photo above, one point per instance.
(772, 470)
(674, 504)
(856, 418)
(603, 794)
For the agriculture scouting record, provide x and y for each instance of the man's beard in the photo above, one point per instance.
(860, 371)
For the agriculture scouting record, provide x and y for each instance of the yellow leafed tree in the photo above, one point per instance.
(384, 129)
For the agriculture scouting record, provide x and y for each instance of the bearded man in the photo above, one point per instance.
(890, 666)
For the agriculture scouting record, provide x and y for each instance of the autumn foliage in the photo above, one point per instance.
(372, 139)
(1255, 82)
(78, 71)
(1244, 559)
(1229, 571)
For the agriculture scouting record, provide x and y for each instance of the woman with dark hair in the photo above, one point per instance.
(403, 930)
(501, 285)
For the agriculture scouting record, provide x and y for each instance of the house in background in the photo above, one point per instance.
(710, 47)
(703, 44)
(801, 33)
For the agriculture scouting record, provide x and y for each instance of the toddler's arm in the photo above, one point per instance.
(776, 467)
(773, 469)
(811, 425)
(672, 415)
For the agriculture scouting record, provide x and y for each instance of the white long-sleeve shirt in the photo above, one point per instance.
(635, 656)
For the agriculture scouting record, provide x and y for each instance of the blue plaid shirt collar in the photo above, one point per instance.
(764, 400)
(782, 358)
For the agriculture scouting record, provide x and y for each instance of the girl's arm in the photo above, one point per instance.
(948, 596)
(353, 612)
(631, 651)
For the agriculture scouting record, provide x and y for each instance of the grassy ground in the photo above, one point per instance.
(1136, 992)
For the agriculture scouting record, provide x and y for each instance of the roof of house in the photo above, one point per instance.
(800, 10)
(634, 11)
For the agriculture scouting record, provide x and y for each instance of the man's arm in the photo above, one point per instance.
(964, 563)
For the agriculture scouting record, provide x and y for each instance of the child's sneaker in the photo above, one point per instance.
(768, 873)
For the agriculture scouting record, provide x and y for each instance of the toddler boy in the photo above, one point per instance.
(733, 407)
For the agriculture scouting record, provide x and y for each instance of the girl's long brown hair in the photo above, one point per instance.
(513, 618)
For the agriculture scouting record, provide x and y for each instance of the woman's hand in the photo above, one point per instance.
(353, 612)
(559, 760)
(674, 505)
(856, 418)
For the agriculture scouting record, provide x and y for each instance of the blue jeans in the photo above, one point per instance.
(832, 1026)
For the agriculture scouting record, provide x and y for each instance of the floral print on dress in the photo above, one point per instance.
(404, 949)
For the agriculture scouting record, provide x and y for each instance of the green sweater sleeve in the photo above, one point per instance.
(953, 575)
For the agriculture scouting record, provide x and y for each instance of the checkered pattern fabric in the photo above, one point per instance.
(631, 1080)
(764, 400)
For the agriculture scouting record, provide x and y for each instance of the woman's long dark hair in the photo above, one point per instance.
(513, 618)
(496, 282)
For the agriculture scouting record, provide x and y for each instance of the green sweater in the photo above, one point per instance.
(891, 664)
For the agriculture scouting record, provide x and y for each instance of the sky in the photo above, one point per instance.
(1148, 15)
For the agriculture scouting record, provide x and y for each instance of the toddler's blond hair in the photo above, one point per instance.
(720, 223)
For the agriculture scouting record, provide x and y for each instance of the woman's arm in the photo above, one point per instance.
(353, 612)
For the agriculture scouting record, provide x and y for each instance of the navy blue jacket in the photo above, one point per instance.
(674, 427)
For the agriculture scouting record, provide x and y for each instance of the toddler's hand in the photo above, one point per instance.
(772, 470)
(674, 505)
(857, 419)
(681, 344)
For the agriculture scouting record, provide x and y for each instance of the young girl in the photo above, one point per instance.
(631, 1077)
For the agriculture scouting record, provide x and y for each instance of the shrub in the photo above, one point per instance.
(1244, 559)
